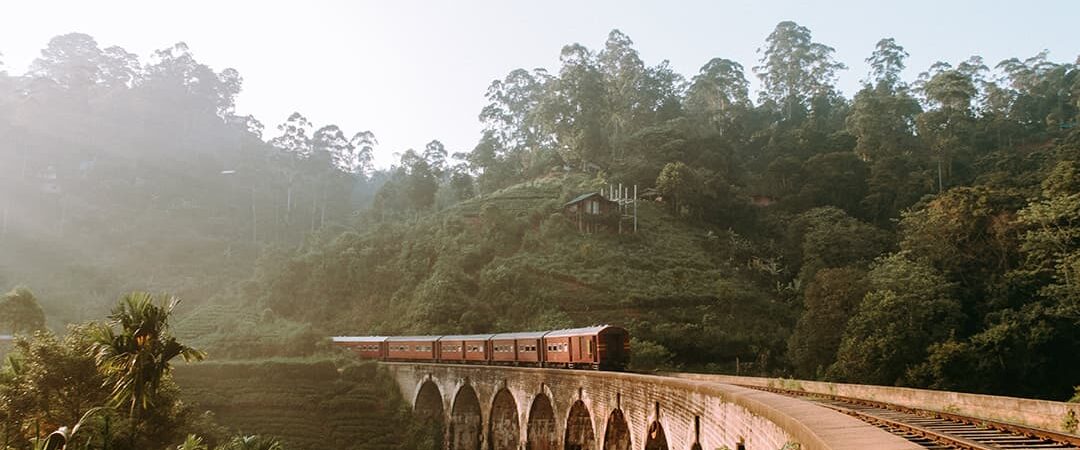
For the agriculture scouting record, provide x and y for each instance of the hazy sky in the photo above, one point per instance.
(414, 71)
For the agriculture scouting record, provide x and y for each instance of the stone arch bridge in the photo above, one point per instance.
(511, 408)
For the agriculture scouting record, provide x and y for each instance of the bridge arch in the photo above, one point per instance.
(656, 439)
(429, 401)
(616, 432)
(579, 428)
(541, 431)
(504, 429)
(465, 420)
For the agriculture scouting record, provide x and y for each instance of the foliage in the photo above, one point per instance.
(909, 307)
(135, 349)
(49, 383)
(20, 311)
(830, 300)
(252, 442)
(648, 356)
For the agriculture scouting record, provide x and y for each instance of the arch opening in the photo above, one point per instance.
(504, 432)
(579, 428)
(656, 440)
(541, 433)
(428, 401)
(465, 422)
(428, 407)
(617, 432)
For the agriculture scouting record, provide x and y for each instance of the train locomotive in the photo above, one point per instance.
(603, 347)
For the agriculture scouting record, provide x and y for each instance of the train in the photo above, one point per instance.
(603, 347)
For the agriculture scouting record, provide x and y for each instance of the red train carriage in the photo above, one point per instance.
(411, 348)
(603, 347)
(473, 348)
(612, 348)
(517, 348)
(367, 347)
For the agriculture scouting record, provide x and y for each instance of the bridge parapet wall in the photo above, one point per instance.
(619, 411)
(1048, 415)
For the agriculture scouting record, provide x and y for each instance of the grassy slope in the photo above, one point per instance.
(308, 404)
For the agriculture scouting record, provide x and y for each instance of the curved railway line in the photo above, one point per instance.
(939, 430)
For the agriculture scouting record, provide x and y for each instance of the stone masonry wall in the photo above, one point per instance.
(1055, 416)
(619, 411)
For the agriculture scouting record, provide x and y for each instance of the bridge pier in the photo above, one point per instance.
(507, 408)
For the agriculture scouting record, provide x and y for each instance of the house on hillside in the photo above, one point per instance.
(592, 212)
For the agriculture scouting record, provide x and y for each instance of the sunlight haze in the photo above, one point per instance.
(413, 71)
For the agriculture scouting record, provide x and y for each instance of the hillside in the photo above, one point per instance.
(512, 261)
(308, 404)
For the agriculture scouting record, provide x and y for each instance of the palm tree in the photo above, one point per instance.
(135, 348)
(192, 442)
(254, 442)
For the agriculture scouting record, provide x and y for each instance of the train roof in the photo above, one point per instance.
(520, 335)
(467, 337)
(358, 338)
(412, 338)
(580, 331)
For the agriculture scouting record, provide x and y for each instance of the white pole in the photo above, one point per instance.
(635, 208)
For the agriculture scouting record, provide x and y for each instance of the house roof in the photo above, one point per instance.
(580, 198)
(358, 338)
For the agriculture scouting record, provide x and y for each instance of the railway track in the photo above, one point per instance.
(938, 430)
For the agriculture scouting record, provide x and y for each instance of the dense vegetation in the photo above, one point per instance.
(111, 385)
(923, 232)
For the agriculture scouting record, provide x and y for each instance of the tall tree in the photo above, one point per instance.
(20, 311)
(949, 125)
(420, 181)
(883, 114)
(576, 107)
(435, 154)
(72, 61)
(134, 351)
(332, 151)
(794, 69)
(719, 94)
(364, 143)
(623, 72)
(514, 122)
